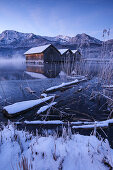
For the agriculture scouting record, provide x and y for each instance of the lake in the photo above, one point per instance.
(15, 76)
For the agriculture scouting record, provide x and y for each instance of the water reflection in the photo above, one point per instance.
(14, 69)
(50, 70)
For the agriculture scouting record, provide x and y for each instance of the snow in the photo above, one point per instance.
(89, 126)
(39, 49)
(62, 85)
(63, 75)
(62, 51)
(108, 86)
(42, 122)
(46, 107)
(35, 75)
(93, 124)
(24, 105)
(80, 124)
(63, 37)
(75, 77)
(43, 95)
(77, 152)
(74, 51)
(59, 38)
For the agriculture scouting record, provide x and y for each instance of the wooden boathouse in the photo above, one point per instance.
(76, 54)
(49, 53)
(68, 55)
(41, 54)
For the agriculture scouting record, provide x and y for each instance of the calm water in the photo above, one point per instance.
(14, 80)
(16, 69)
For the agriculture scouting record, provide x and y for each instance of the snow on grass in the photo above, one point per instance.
(77, 152)
(35, 75)
(46, 107)
(24, 105)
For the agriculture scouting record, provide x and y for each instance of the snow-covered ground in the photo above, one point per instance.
(20, 149)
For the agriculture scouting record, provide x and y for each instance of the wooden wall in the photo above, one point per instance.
(51, 54)
(70, 57)
(34, 56)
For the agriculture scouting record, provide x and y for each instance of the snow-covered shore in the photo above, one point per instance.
(74, 152)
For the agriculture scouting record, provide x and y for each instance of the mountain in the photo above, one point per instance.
(14, 39)
(78, 39)
(20, 42)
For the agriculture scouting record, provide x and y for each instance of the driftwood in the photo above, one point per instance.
(65, 88)
(80, 124)
(28, 89)
(10, 115)
(41, 115)
(109, 87)
(107, 97)
(110, 115)
(89, 127)
(45, 108)
(59, 88)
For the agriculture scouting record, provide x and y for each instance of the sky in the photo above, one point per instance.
(57, 17)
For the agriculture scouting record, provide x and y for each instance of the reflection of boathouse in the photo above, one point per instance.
(50, 70)
(35, 68)
(41, 54)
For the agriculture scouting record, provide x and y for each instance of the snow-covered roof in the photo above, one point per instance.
(62, 51)
(35, 50)
(74, 51)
